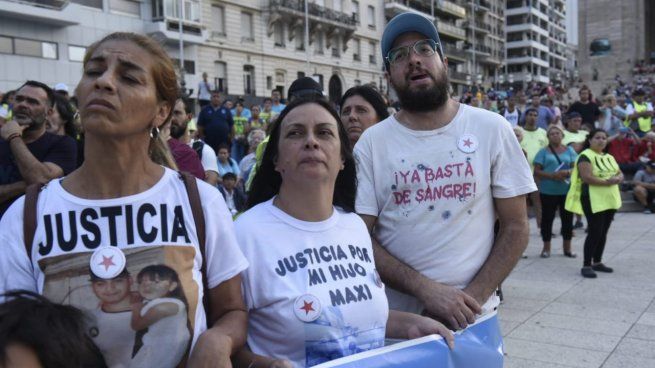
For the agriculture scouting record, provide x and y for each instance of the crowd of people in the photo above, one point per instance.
(283, 235)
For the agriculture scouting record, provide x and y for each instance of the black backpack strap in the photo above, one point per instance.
(199, 219)
(29, 216)
(198, 146)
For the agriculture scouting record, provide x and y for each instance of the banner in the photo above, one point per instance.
(479, 346)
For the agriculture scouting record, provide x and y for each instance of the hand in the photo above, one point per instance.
(10, 128)
(561, 175)
(614, 180)
(424, 326)
(280, 363)
(448, 304)
(212, 350)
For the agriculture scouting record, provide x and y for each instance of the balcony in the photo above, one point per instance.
(53, 12)
(447, 29)
(478, 26)
(166, 22)
(453, 52)
(450, 8)
(479, 49)
(482, 6)
(459, 77)
(395, 7)
(332, 22)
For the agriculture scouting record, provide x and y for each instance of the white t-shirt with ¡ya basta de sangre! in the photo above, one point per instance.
(432, 192)
(311, 289)
(153, 228)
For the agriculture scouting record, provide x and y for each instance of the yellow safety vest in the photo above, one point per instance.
(644, 123)
(601, 197)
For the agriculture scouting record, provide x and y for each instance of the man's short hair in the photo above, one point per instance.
(639, 92)
(43, 86)
(229, 176)
(531, 109)
(268, 99)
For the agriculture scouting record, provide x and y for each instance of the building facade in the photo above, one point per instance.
(613, 37)
(536, 41)
(256, 46)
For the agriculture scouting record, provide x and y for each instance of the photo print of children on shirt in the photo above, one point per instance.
(141, 318)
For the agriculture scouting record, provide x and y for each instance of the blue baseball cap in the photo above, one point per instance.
(408, 22)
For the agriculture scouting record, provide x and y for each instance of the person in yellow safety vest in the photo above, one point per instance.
(640, 113)
(595, 192)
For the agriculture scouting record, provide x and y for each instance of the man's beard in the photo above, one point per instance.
(32, 123)
(178, 130)
(423, 100)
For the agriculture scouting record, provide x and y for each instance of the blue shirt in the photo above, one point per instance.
(548, 162)
(544, 117)
(231, 166)
(217, 124)
(278, 109)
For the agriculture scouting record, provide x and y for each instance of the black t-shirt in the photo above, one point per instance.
(59, 150)
(588, 111)
(585, 186)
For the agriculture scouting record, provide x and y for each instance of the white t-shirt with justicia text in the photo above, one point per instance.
(155, 231)
(311, 289)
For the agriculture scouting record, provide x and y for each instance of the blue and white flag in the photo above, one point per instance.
(478, 346)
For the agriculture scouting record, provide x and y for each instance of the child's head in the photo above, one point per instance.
(229, 181)
(112, 291)
(223, 153)
(254, 110)
(35, 332)
(159, 281)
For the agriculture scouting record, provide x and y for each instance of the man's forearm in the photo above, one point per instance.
(395, 273)
(31, 169)
(12, 190)
(510, 243)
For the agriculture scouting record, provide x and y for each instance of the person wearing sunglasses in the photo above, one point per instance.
(432, 179)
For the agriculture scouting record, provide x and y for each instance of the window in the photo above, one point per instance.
(42, 49)
(279, 77)
(6, 45)
(319, 79)
(358, 82)
(246, 27)
(355, 10)
(336, 49)
(126, 6)
(269, 82)
(172, 9)
(319, 44)
(337, 4)
(300, 75)
(248, 80)
(300, 39)
(320, 2)
(220, 81)
(372, 48)
(357, 49)
(218, 21)
(90, 3)
(278, 35)
(76, 53)
(371, 17)
(189, 65)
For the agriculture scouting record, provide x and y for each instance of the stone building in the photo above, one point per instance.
(613, 36)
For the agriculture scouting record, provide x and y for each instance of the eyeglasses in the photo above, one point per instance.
(422, 48)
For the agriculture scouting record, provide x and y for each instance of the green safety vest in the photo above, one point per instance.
(601, 197)
(644, 123)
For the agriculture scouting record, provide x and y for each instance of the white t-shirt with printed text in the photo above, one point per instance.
(311, 289)
(155, 227)
(432, 192)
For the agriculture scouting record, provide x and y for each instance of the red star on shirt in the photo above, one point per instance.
(307, 307)
(107, 262)
(468, 142)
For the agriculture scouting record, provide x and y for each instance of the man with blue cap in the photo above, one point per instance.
(432, 180)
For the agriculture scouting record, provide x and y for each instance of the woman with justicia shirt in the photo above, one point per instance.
(312, 290)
